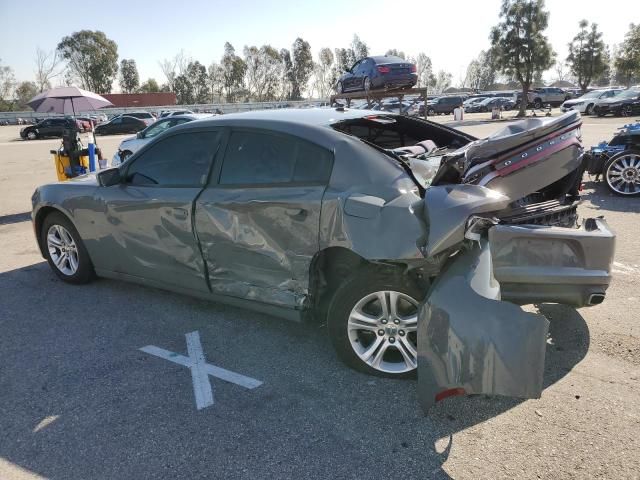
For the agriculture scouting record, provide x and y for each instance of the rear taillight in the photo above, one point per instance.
(413, 69)
(384, 69)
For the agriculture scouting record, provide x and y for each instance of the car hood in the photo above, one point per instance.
(127, 140)
(575, 101)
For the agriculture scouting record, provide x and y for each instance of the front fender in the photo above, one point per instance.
(470, 342)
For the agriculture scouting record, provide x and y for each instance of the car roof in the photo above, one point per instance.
(313, 117)
(389, 59)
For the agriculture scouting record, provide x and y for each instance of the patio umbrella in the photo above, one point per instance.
(67, 100)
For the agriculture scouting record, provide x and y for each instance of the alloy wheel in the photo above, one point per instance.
(623, 174)
(626, 111)
(382, 330)
(62, 249)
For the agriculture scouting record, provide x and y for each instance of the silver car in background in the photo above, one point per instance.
(131, 145)
(586, 102)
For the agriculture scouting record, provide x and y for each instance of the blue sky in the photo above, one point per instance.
(450, 32)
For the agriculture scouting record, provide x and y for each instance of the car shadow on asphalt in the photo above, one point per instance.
(15, 218)
(81, 400)
(601, 198)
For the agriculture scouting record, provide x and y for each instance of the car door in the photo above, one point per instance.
(130, 125)
(351, 82)
(114, 126)
(46, 128)
(258, 225)
(147, 227)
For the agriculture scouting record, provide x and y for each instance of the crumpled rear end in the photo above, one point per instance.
(471, 342)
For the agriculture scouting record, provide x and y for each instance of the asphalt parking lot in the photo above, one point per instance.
(79, 399)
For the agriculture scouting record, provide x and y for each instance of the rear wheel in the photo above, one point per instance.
(339, 87)
(431, 111)
(626, 111)
(373, 323)
(65, 251)
(622, 173)
(537, 103)
(367, 84)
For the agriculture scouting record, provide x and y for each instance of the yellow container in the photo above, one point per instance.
(63, 166)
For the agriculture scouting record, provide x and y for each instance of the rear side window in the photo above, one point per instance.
(259, 158)
(181, 160)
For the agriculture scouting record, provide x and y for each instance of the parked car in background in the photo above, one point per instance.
(586, 102)
(539, 97)
(120, 124)
(624, 104)
(372, 73)
(618, 160)
(131, 145)
(323, 214)
(405, 107)
(472, 101)
(171, 113)
(487, 104)
(50, 127)
(146, 117)
(444, 105)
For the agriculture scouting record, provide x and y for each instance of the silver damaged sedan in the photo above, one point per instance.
(414, 242)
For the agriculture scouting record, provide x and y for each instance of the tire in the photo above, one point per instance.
(589, 109)
(537, 103)
(58, 229)
(622, 173)
(626, 111)
(391, 349)
(32, 135)
(366, 84)
(339, 87)
(431, 111)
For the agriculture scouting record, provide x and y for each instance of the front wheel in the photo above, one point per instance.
(622, 173)
(32, 135)
(367, 84)
(537, 104)
(587, 111)
(373, 323)
(65, 251)
(339, 88)
(431, 111)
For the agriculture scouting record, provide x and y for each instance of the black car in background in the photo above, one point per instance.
(444, 105)
(623, 104)
(50, 127)
(487, 104)
(121, 124)
(378, 72)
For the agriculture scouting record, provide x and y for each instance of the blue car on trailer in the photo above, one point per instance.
(618, 161)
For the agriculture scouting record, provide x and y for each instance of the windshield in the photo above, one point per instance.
(628, 94)
(593, 94)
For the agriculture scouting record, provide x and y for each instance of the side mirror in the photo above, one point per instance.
(109, 177)
(139, 135)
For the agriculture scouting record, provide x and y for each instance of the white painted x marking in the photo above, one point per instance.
(200, 370)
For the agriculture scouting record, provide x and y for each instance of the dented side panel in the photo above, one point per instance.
(258, 242)
(468, 339)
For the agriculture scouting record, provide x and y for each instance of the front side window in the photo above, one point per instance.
(181, 160)
(258, 158)
(157, 129)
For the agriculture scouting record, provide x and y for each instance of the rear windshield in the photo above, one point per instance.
(393, 131)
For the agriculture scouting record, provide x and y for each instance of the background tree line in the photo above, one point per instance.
(518, 56)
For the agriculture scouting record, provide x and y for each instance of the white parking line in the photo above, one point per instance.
(200, 370)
